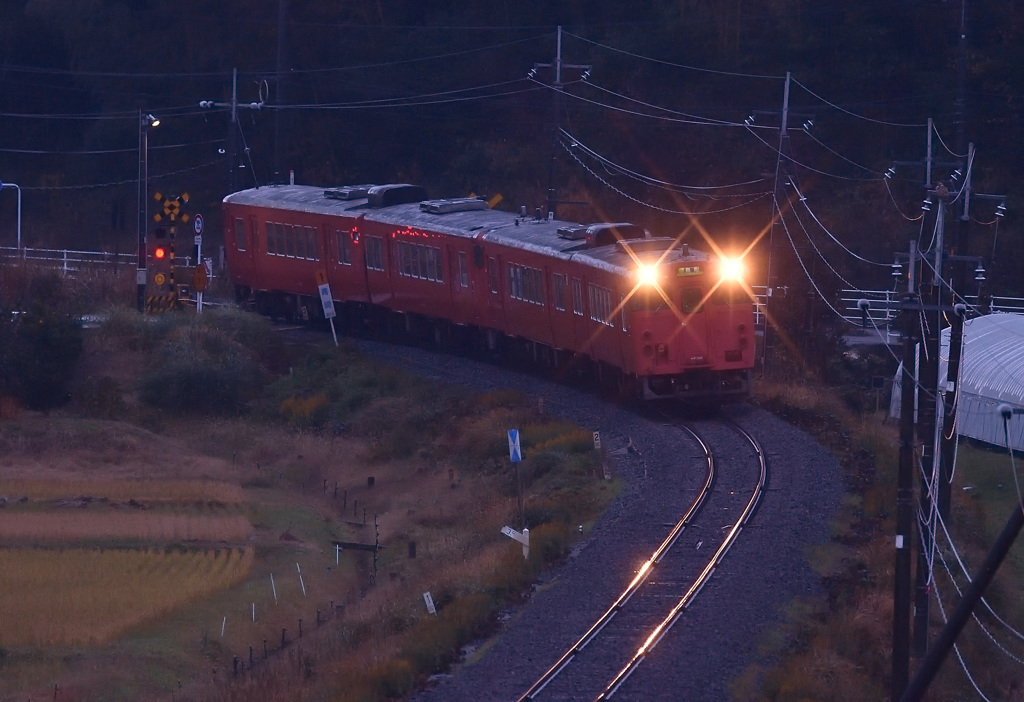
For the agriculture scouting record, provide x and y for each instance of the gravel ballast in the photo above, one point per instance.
(718, 637)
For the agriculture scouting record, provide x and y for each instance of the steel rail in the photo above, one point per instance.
(638, 579)
(663, 628)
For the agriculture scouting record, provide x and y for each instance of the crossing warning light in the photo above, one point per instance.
(159, 252)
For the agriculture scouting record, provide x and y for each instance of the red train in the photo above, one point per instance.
(652, 315)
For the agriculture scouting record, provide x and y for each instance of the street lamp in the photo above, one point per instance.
(145, 122)
(13, 185)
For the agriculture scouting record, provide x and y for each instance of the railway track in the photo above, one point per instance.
(608, 654)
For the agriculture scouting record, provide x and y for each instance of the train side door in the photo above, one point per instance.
(580, 326)
(495, 298)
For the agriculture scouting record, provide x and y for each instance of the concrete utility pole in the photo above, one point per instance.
(556, 123)
(234, 105)
(905, 492)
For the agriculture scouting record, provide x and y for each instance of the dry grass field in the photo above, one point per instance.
(169, 557)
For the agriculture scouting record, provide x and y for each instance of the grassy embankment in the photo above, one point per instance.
(174, 526)
(839, 647)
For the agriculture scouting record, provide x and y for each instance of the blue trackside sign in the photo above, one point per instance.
(514, 452)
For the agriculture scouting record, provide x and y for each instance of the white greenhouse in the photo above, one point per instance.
(991, 380)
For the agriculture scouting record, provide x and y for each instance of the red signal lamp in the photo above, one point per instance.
(159, 252)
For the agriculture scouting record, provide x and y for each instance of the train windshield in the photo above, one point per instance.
(690, 300)
(647, 299)
(728, 293)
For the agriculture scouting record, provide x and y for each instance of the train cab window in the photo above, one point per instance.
(344, 238)
(493, 274)
(648, 299)
(271, 230)
(729, 294)
(577, 297)
(622, 313)
(240, 242)
(463, 270)
(374, 253)
(559, 283)
(690, 302)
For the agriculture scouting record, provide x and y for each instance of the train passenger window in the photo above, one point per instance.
(312, 245)
(374, 253)
(577, 297)
(526, 284)
(492, 274)
(560, 282)
(691, 301)
(601, 305)
(300, 242)
(278, 230)
(289, 241)
(271, 238)
(622, 312)
(240, 242)
(344, 246)
(463, 271)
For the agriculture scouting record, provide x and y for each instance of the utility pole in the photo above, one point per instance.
(905, 491)
(282, 51)
(781, 173)
(558, 99)
(233, 126)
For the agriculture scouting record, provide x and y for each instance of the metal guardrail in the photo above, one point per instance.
(69, 260)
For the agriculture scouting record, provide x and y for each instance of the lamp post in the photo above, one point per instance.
(145, 122)
(15, 186)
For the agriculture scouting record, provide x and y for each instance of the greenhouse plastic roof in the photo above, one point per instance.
(991, 375)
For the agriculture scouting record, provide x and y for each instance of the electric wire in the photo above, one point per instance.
(792, 160)
(133, 180)
(854, 114)
(803, 200)
(619, 191)
(818, 251)
(576, 143)
(956, 649)
(663, 118)
(709, 120)
(897, 205)
(409, 100)
(952, 153)
(100, 152)
(832, 151)
(669, 63)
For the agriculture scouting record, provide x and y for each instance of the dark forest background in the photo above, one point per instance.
(439, 94)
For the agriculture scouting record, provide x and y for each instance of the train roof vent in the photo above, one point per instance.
(573, 232)
(453, 204)
(653, 244)
(606, 234)
(395, 194)
(347, 192)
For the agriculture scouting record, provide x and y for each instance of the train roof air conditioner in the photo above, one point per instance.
(605, 234)
(347, 192)
(453, 204)
(662, 243)
(395, 194)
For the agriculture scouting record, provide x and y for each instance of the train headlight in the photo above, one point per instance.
(646, 275)
(732, 269)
